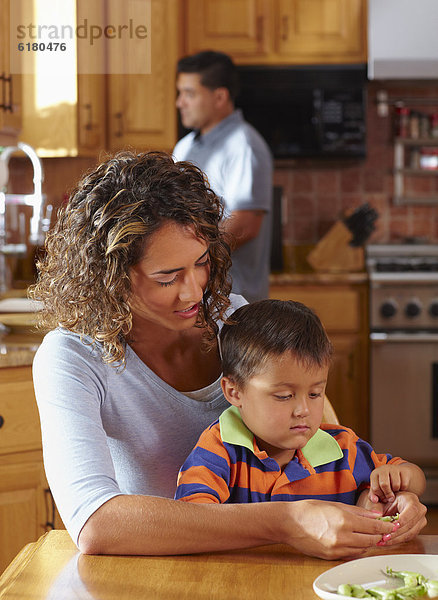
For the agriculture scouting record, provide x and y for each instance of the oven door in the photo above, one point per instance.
(404, 399)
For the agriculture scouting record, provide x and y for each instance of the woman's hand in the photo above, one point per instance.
(332, 530)
(412, 518)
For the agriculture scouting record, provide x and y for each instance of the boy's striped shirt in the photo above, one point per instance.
(227, 466)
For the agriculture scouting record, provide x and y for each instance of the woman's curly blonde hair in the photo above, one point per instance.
(83, 278)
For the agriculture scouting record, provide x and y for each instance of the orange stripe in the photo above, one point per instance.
(252, 478)
(203, 476)
(199, 499)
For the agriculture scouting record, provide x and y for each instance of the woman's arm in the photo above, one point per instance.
(146, 525)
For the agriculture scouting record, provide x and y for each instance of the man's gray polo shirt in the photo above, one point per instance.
(238, 165)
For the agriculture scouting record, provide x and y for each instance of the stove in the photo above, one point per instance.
(404, 287)
(404, 355)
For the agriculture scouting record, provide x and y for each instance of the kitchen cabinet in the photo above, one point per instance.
(10, 84)
(343, 310)
(112, 110)
(64, 114)
(26, 505)
(409, 155)
(279, 31)
(141, 108)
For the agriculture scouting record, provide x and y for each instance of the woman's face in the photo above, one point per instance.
(169, 281)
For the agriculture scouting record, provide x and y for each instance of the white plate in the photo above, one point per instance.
(369, 572)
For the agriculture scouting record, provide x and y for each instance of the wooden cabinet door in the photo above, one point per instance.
(21, 520)
(343, 312)
(91, 83)
(347, 386)
(10, 84)
(320, 31)
(142, 113)
(237, 27)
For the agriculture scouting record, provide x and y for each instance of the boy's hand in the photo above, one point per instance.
(386, 480)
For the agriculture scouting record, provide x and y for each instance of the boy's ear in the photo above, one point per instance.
(231, 391)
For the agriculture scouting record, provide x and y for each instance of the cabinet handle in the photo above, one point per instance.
(89, 122)
(119, 131)
(259, 29)
(351, 365)
(2, 421)
(50, 510)
(3, 104)
(9, 106)
(284, 28)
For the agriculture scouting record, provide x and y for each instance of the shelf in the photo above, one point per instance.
(417, 141)
(402, 170)
(419, 200)
(419, 172)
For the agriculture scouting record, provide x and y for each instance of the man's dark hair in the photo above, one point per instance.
(263, 330)
(215, 68)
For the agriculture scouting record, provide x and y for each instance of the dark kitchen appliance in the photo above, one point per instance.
(311, 111)
(404, 355)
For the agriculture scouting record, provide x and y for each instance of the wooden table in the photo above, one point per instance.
(53, 569)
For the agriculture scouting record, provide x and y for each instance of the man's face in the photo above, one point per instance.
(196, 103)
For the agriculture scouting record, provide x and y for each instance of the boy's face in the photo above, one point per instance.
(282, 405)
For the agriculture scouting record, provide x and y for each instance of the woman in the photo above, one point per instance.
(135, 289)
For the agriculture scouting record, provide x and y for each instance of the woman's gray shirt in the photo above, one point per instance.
(108, 432)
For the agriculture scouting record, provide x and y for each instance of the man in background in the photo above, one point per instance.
(236, 160)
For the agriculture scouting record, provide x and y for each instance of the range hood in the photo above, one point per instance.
(403, 39)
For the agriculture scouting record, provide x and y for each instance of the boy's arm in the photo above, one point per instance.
(205, 474)
(388, 479)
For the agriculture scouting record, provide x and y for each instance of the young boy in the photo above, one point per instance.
(270, 444)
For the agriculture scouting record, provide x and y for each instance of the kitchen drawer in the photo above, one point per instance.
(339, 309)
(20, 429)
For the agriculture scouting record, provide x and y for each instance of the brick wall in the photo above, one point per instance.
(316, 193)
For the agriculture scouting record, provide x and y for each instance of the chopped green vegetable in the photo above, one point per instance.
(414, 586)
(382, 593)
(390, 518)
(432, 587)
(410, 578)
(359, 591)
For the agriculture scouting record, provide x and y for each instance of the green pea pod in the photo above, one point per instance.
(382, 593)
(389, 518)
(432, 588)
(358, 591)
(344, 589)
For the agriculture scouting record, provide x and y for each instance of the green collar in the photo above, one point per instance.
(321, 449)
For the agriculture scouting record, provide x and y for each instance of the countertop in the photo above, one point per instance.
(318, 278)
(19, 340)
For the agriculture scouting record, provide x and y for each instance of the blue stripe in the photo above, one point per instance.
(364, 463)
(187, 489)
(241, 454)
(240, 495)
(335, 432)
(337, 465)
(200, 457)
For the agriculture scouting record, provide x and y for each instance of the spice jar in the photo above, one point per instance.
(401, 121)
(424, 126)
(414, 125)
(434, 125)
(429, 158)
(415, 158)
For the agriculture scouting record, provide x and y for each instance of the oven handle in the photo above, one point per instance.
(420, 337)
